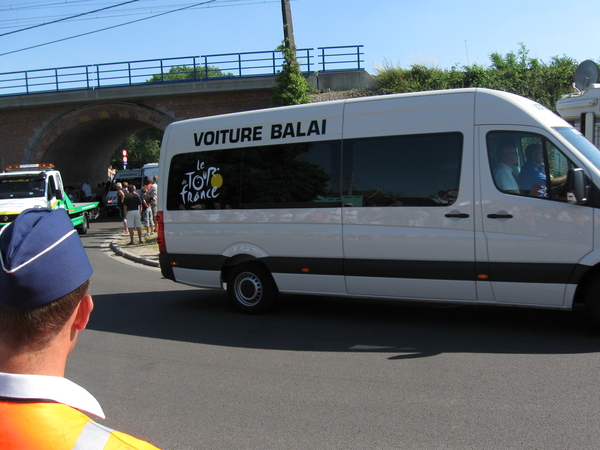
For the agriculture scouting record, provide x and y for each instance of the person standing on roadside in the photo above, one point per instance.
(153, 192)
(87, 191)
(99, 191)
(40, 320)
(121, 191)
(132, 207)
(147, 219)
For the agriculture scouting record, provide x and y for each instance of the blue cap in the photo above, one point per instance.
(42, 259)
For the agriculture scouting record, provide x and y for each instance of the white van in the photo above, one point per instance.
(468, 195)
(132, 176)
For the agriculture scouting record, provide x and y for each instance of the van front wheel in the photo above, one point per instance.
(251, 288)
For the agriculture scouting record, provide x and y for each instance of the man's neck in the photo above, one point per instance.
(48, 361)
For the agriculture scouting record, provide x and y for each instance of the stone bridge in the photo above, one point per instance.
(79, 130)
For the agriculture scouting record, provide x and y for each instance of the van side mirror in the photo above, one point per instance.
(576, 187)
(59, 194)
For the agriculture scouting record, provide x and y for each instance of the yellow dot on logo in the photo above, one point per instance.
(216, 181)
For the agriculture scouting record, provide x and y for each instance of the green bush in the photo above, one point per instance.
(516, 73)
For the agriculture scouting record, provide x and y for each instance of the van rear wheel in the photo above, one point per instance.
(251, 288)
(592, 301)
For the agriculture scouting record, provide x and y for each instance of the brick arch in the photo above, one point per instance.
(81, 141)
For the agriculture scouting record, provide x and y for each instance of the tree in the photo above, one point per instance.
(142, 147)
(185, 73)
(516, 73)
(291, 88)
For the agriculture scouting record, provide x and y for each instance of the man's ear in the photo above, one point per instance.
(84, 309)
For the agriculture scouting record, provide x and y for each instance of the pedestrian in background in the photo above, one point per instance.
(110, 174)
(99, 191)
(153, 192)
(121, 191)
(147, 219)
(40, 320)
(87, 191)
(132, 207)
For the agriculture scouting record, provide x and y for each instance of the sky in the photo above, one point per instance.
(435, 33)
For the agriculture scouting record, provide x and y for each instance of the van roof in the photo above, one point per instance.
(490, 107)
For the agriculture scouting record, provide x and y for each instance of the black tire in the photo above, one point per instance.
(83, 228)
(251, 288)
(592, 301)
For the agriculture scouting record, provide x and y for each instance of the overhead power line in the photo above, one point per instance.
(102, 11)
(68, 18)
(107, 28)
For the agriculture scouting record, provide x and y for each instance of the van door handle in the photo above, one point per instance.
(457, 215)
(500, 216)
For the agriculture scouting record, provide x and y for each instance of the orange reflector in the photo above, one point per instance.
(173, 263)
(482, 276)
(305, 270)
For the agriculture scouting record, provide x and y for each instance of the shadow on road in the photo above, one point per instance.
(325, 324)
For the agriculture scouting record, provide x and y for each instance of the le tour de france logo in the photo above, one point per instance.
(200, 184)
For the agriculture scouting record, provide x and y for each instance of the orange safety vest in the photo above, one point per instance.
(54, 426)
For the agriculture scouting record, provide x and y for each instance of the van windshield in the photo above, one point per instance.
(136, 181)
(578, 140)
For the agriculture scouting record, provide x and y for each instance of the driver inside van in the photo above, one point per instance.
(532, 179)
(503, 172)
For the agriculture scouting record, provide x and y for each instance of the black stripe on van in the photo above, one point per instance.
(533, 272)
(195, 262)
(433, 270)
(428, 270)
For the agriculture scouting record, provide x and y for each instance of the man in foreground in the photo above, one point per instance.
(44, 304)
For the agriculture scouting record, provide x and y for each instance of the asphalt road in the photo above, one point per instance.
(176, 366)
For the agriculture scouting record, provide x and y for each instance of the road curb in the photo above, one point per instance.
(120, 252)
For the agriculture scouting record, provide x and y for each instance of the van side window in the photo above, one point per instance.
(276, 176)
(412, 170)
(527, 164)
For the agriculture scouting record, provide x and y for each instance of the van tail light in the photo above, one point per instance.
(160, 227)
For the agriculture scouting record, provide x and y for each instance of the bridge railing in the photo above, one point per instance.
(180, 69)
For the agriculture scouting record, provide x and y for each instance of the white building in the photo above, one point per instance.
(582, 108)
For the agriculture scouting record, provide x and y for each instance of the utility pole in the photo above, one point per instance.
(288, 29)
